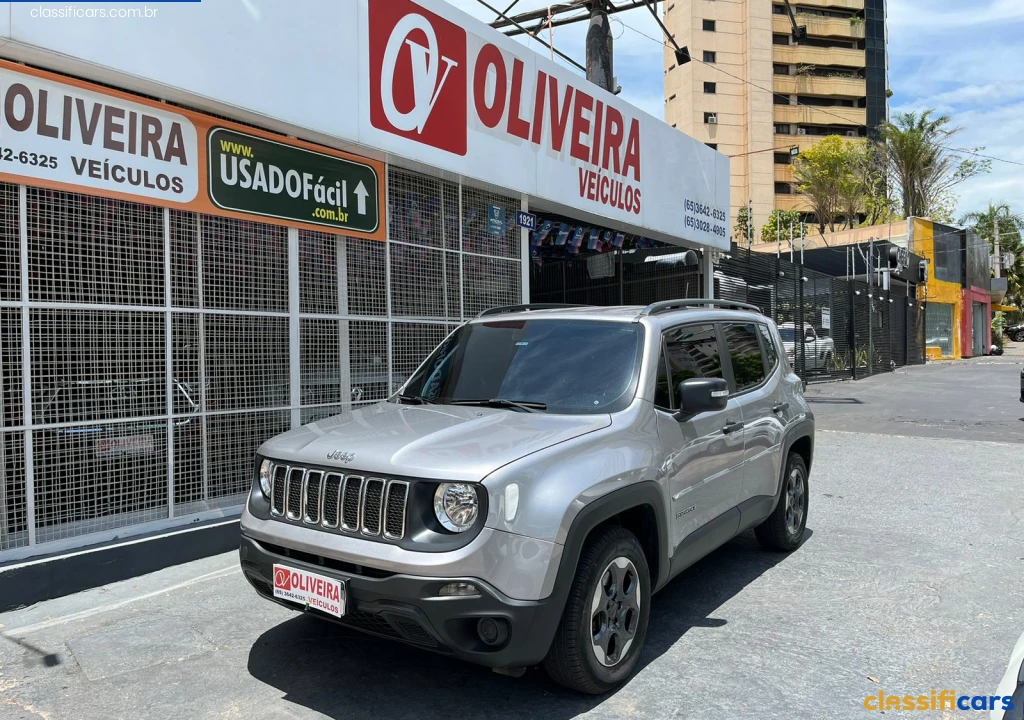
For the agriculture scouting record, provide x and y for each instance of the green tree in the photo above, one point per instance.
(865, 189)
(742, 226)
(822, 174)
(777, 218)
(1011, 225)
(923, 167)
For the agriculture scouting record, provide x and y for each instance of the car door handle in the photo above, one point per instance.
(780, 408)
(731, 427)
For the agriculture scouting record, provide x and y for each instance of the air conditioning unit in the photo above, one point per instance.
(712, 119)
(851, 133)
(801, 131)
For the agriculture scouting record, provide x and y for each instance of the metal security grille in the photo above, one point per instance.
(155, 350)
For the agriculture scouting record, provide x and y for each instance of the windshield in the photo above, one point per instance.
(788, 334)
(573, 367)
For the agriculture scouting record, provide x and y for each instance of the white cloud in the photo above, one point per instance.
(963, 59)
(955, 15)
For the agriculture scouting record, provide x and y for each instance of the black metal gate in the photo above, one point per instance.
(832, 328)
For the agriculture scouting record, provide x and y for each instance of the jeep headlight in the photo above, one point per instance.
(456, 506)
(265, 484)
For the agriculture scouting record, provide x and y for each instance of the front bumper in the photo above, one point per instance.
(407, 608)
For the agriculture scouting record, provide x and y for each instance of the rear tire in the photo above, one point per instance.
(604, 624)
(783, 530)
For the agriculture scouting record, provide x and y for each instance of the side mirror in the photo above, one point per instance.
(698, 395)
(809, 337)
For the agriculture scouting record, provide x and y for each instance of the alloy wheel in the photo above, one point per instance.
(796, 490)
(615, 611)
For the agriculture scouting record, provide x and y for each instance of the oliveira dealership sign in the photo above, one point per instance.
(450, 92)
(64, 134)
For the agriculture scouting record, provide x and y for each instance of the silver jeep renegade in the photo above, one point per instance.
(536, 480)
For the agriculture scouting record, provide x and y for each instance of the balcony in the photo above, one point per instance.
(818, 26)
(792, 202)
(807, 115)
(803, 55)
(784, 173)
(840, 4)
(804, 142)
(810, 85)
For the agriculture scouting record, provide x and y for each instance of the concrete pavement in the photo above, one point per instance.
(911, 580)
(975, 399)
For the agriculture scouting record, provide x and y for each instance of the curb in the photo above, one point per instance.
(25, 583)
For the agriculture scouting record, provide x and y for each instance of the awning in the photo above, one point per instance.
(1004, 308)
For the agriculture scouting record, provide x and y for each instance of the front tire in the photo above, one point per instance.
(783, 530)
(604, 624)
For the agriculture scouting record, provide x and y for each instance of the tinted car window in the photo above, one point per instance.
(745, 353)
(692, 353)
(573, 366)
(770, 351)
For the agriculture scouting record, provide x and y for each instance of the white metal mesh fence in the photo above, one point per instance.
(163, 347)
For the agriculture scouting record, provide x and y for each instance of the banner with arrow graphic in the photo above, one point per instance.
(259, 176)
(68, 134)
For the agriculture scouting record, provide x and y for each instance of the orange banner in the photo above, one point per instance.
(66, 134)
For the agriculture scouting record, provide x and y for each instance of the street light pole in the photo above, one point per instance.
(600, 68)
(995, 247)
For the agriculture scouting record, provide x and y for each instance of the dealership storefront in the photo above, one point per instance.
(176, 287)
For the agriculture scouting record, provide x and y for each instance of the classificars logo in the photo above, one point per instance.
(418, 86)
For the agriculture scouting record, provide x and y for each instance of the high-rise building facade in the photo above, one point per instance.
(752, 93)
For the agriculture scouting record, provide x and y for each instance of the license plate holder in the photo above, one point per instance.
(311, 590)
(124, 445)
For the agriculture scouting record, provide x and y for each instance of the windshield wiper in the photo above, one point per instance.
(416, 400)
(520, 405)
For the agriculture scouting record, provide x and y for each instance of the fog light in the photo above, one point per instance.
(459, 589)
(493, 631)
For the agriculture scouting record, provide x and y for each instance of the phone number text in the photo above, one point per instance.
(28, 158)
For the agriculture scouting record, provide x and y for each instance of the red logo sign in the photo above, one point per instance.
(282, 579)
(418, 75)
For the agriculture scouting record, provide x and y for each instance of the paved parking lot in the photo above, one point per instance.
(911, 580)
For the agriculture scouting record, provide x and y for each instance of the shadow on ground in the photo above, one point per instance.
(345, 674)
(833, 401)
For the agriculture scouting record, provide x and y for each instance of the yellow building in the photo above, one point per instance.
(753, 94)
(944, 297)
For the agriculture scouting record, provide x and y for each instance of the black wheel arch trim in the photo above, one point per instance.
(600, 511)
(799, 430)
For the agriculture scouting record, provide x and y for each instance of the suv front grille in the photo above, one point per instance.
(372, 506)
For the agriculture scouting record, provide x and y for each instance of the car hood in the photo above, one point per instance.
(441, 442)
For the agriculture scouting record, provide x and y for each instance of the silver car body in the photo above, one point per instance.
(561, 464)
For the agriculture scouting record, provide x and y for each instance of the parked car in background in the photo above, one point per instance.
(818, 349)
(1012, 687)
(1015, 332)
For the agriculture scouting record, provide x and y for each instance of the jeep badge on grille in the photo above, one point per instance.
(345, 457)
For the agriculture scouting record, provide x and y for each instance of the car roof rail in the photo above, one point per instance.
(504, 309)
(669, 305)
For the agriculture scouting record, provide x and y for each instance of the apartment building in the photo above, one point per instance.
(753, 94)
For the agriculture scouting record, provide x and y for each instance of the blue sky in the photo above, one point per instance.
(964, 58)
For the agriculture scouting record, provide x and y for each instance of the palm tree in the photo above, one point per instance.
(1011, 225)
(923, 166)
